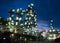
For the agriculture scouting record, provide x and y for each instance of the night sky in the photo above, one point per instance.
(45, 9)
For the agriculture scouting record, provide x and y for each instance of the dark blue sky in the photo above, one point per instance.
(45, 9)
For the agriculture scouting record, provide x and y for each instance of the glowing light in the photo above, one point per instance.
(4, 38)
(21, 24)
(11, 30)
(28, 5)
(10, 18)
(29, 23)
(17, 10)
(53, 30)
(49, 38)
(35, 19)
(15, 30)
(25, 23)
(17, 18)
(30, 12)
(20, 19)
(32, 15)
(9, 23)
(26, 18)
(50, 31)
(32, 4)
(13, 10)
(29, 18)
(16, 23)
(27, 14)
(20, 8)
(23, 10)
(35, 23)
(51, 20)
(28, 26)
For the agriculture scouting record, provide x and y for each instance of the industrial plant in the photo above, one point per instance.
(21, 25)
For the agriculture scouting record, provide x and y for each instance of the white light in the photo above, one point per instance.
(12, 34)
(29, 18)
(27, 29)
(29, 23)
(27, 14)
(17, 18)
(12, 15)
(28, 26)
(25, 23)
(35, 19)
(12, 21)
(54, 30)
(21, 24)
(23, 10)
(11, 30)
(26, 18)
(32, 15)
(20, 8)
(50, 35)
(16, 23)
(10, 18)
(23, 27)
(32, 4)
(51, 27)
(4, 38)
(35, 23)
(30, 12)
(13, 10)
(49, 38)
(50, 31)
(28, 5)
(36, 26)
(35, 15)
(15, 30)
(20, 19)
(9, 23)
(51, 24)
(17, 10)
(51, 20)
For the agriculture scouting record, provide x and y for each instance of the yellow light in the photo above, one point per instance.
(25, 39)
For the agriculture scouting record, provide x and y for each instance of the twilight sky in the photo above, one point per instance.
(45, 10)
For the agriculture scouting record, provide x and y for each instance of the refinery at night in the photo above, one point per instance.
(21, 25)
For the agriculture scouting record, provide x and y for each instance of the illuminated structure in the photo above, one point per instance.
(52, 32)
(26, 25)
(11, 20)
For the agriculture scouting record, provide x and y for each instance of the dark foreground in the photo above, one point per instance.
(45, 41)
